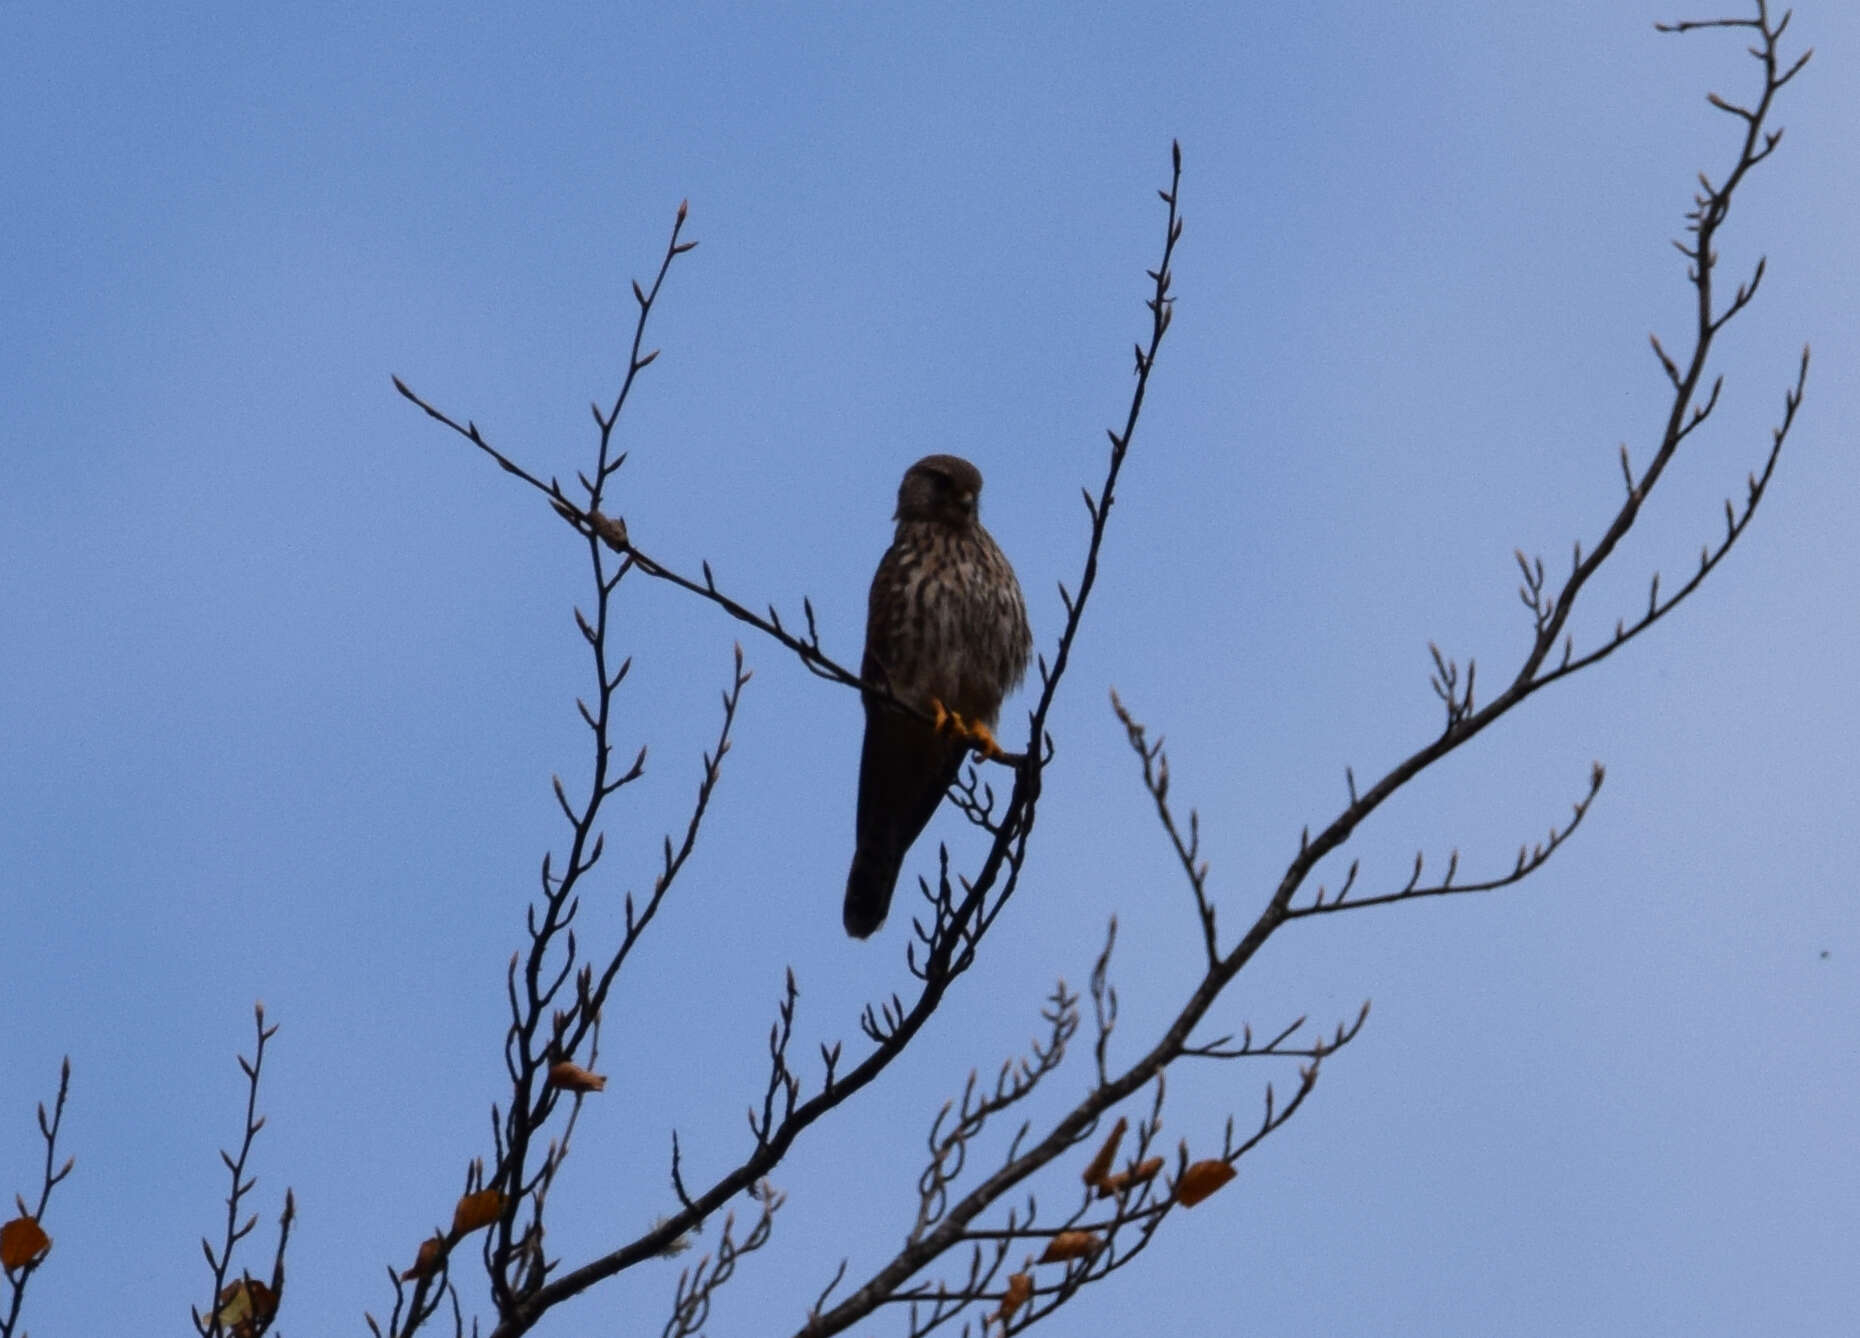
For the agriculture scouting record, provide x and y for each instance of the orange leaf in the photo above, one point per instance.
(1100, 1165)
(1019, 1288)
(477, 1210)
(23, 1243)
(573, 1078)
(247, 1308)
(426, 1263)
(1070, 1245)
(1201, 1180)
(1122, 1180)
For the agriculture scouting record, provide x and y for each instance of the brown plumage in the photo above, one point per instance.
(944, 625)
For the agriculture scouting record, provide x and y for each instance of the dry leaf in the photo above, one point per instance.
(1070, 1245)
(426, 1263)
(1201, 1180)
(1136, 1175)
(573, 1078)
(23, 1242)
(247, 1308)
(1019, 1288)
(477, 1210)
(1100, 1165)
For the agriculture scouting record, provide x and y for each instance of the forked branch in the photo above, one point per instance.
(24, 1245)
(958, 1226)
(245, 1306)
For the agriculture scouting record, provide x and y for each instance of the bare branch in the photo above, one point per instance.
(1276, 1048)
(961, 1229)
(245, 1305)
(698, 1284)
(955, 932)
(1530, 859)
(29, 1226)
(949, 1139)
(1187, 852)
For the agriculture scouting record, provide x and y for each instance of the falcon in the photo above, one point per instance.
(946, 632)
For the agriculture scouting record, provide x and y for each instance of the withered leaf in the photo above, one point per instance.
(426, 1263)
(1100, 1165)
(1201, 1180)
(1019, 1288)
(22, 1242)
(573, 1078)
(1119, 1181)
(477, 1210)
(1070, 1245)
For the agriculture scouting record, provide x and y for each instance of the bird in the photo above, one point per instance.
(946, 634)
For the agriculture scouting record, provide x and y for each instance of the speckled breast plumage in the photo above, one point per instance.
(946, 619)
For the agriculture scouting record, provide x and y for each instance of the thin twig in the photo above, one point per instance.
(50, 1177)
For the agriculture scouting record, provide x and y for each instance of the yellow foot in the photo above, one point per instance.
(983, 739)
(972, 732)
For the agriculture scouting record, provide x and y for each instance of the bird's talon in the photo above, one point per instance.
(984, 740)
(975, 733)
(947, 721)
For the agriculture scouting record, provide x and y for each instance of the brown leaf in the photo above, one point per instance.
(426, 1263)
(477, 1210)
(247, 1308)
(1070, 1245)
(1019, 1288)
(1201, 1180)
(1100, 1165)
(573, 1078)
(1120, 1181)
(23, 1243)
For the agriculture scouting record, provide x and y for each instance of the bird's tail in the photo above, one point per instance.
(868, 891)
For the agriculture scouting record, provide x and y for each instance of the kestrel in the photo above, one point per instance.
(946, 631)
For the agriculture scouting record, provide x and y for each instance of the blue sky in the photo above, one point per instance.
(287, 669)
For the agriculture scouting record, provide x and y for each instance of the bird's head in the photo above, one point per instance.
(943, 488)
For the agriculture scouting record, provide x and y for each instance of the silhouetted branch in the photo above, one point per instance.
(533, 1055)
(1223, 1047)
(245, 1307)
(960, 1228)
(23, 1242)
(1088, 1239)
(1086, 1243)
(1187, 852)
(1686, 375)
(698, 1284)
(611, 531)
(1530, 859)
(952, 940)
(1104, 1003)
(949, 1144)
(1551, 611)
(783, 1082)
(951, 943)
